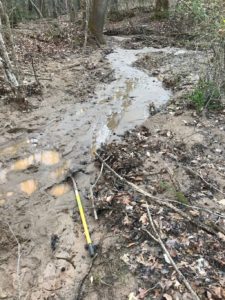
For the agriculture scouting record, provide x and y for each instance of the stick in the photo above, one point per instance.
(156, 237)
(160, 202)
(34, 70)
(199, 208)
(92, 194)
(206, 182)
(93, 203)
(79, 291)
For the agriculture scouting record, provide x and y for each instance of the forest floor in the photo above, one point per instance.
(176, 155)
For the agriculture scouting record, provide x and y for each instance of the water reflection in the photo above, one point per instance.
(46, 157)
(29, 186)
(2, 202)
(60, 189)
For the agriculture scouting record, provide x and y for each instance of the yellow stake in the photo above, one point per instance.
(83, 218)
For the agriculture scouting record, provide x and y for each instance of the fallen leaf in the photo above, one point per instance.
(222, 202)
(132, 297)
(126, 199)
(144, 219)
(126, 221)
(221, 236)
(125, 258)
(142, 293)
(167, 259)
(194, 213)
(167, 297)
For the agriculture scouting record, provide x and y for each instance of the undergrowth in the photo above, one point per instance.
(205, 21)
(206, 95)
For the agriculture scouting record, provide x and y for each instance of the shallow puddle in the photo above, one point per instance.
(125, 101)
(29, 186)
(60, 189)
(48, 158)
(82, 127)
(2, 202)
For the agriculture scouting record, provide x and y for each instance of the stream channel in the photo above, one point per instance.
(116, 107)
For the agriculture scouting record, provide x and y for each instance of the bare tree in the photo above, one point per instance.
(6, 65)
(97, 18)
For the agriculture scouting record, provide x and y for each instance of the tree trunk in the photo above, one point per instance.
(97, 19)
(6, 63)
(74, 7)
(37, 10)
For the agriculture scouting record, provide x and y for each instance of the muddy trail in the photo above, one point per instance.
(89, 99)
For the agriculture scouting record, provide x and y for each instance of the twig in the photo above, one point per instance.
(92, 194)
(206, 182)
(203, 226)
(79, 291)
(41, 78)
(198, 208)
(34, 70)
(156, 237)
(177, 187)
(93, 203)
(99, 176)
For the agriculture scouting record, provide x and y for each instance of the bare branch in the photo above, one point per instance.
(156, 237)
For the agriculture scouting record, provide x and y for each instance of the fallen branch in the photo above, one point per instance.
(207, 228)
(203, 179)
(199, 208)
(156, 237)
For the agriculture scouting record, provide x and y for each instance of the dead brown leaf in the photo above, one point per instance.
(144, 219)
(167, 297)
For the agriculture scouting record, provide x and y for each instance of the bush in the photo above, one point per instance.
(206, 95)
(205, 21)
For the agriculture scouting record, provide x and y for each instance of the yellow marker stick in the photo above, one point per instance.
(83, 219)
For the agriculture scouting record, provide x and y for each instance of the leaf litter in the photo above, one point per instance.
(186, 172)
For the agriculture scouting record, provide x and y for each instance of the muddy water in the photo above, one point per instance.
(43, 158)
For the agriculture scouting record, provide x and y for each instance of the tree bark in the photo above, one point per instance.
(97, 19)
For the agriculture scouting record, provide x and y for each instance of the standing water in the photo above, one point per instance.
(45, 156)
(126, 100)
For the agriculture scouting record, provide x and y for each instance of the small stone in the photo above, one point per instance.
(218, 151)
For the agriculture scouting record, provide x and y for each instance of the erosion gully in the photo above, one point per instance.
(33, 189)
